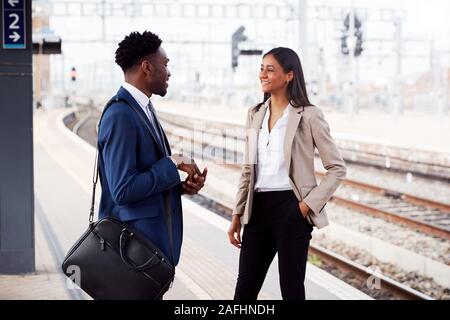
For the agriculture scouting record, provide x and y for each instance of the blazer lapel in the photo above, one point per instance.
(294, 117)
(124, 94)
(255, 126)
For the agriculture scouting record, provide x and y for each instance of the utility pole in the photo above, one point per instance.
(438, 83)
(303, 34)
(397, 94)
(323, 76)
(102, 16)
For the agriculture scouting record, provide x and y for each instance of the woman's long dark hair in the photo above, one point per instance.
(296, 89)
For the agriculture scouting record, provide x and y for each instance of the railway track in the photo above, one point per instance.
(424, 215)
(420, 214)
(360, 272)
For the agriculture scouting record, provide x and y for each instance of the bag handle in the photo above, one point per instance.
(125, 235)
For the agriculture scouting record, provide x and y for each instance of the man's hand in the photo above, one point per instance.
(193, 186)
(187, 165)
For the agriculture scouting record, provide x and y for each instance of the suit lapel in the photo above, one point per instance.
(255, 126)
(294, 117)
(124, 94)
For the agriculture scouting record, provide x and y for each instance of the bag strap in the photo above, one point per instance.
(96, 165)
(168, 214)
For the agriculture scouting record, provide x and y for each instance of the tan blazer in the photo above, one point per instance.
(306, 130)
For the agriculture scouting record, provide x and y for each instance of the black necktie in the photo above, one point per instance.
(159, 129)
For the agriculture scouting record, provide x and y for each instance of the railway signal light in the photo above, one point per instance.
(358, 49)
(73, 74)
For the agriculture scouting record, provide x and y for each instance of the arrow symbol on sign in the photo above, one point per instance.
(13, 3)
(15, 36)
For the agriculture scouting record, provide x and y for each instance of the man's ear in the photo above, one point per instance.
(147, 67)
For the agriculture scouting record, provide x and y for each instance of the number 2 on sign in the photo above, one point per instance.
(14, 25)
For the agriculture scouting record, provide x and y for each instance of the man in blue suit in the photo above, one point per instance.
(139, 176)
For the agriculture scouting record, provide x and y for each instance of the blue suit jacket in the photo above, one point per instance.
(134, 173)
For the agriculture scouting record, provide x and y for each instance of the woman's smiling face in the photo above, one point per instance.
(272, 76)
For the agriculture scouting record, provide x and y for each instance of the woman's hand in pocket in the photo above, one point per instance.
(234, 232)
(304, 209)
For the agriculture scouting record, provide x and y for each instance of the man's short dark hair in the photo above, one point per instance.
(134, 47)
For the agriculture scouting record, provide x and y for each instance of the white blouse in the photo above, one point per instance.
(271, 173)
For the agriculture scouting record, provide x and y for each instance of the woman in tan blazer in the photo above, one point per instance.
(278, 198)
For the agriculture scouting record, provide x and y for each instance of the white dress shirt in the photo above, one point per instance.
(140, 97)
(271, 173)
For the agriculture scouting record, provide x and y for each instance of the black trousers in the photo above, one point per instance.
(276, 225)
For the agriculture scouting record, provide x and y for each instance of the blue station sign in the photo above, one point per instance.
(14, 36)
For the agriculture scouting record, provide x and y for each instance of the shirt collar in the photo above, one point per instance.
(137, 94)
(288, 109)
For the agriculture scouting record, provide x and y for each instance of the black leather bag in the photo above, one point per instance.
(111, 260)
(116, 262)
